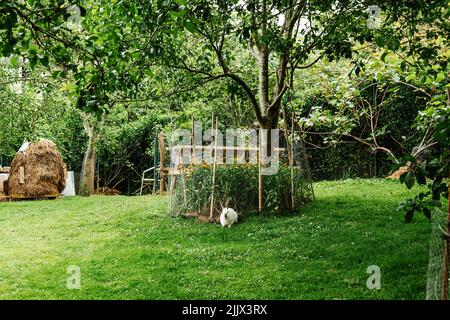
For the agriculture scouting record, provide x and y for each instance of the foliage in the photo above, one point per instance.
(190, 58)
(33, 105)
(433, 172)
(336, 113)
(97, 51)
(378, 113)
(208, 41)
(89, 43)
(432, 73)
(346, 160)
(125, 146)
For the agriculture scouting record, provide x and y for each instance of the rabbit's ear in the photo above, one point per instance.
(228, 201)
(221, 205)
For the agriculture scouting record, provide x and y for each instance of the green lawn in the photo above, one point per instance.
(129, 248)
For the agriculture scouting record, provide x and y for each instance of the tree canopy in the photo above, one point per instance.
(250, 61)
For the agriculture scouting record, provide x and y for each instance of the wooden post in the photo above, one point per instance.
(98, 172)
(192, 159)
(286, 133)
(213, 187)
(155, 142)
(184, 185)
(291, 163)
(260, 202)
(212, 132)
(162, 161)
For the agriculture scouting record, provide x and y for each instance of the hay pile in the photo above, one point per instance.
(44, 171)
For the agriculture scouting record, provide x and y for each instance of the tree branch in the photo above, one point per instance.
(278, 98)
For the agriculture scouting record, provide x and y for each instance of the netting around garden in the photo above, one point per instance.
(197, 184)
(437, 258)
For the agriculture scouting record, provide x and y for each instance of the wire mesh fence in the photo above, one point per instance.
(200, 187)
(437, 258)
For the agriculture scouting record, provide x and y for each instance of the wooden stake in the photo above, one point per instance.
(212, 133)
(162, 160)
(181, 168)
(184, 186)
(213, 187)
(286, 133)
(173, 180)
(291, 163)
(192, 160)
(155, 142)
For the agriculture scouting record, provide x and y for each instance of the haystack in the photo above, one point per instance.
(37, 170)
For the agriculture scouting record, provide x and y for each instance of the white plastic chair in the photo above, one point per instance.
(143, 180)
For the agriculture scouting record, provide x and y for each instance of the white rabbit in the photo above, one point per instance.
(228, 216)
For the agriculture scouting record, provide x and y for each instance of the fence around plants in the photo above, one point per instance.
(439, 260)
(199, 188)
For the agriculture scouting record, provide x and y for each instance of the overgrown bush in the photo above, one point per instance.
(239, 183)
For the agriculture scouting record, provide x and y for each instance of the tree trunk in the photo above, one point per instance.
(88, 169)
(267, 107)
(263, 79)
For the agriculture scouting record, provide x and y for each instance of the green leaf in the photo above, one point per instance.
(402, 177)
(435, 203)
(33, 62)
(440, 77)
(427, 213)
(190, 26)
(14, 61)
(32, 51)
(420, 176)
(409, 216)
(7, 49)
(44, 61)
(10, 20)
(410, 77)
(403, 65)
(55, 74)
(410, 180)
(410, 158)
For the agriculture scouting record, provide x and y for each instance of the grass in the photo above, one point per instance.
(129, 248)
